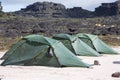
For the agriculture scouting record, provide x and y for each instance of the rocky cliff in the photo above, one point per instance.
(50, 9)
(108, 9)
(78, 12)
(44, 9)
(57, 10)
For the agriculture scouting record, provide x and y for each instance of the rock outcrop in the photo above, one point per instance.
(44, 9)
(0, 7)
(50, 9)
(57, 10)
(78, 12)
(1, 13)
(108, 9)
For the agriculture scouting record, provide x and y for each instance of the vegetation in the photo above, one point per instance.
(13, 27)
(6, 43)
(16, 26)
(112, 40)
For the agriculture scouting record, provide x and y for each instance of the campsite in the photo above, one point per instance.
(50, 59)
(60, 40)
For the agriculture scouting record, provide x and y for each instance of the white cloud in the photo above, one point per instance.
(10, 8)
(12, 5)
(87, 4)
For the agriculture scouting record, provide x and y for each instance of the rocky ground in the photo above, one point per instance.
(16, 26)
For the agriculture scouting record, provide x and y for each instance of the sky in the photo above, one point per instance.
(14, 5)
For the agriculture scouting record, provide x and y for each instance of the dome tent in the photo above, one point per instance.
(94, 42)
(75, 45)
(43, 51)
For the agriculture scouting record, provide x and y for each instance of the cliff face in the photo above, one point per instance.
(44, 9)
(50, 9)
(78, 12)
(108, 9)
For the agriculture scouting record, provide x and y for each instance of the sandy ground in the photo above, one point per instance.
(98, 72)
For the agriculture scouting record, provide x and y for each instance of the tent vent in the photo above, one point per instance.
(49, 53)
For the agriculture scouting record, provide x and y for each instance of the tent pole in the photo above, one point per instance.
(56, 57)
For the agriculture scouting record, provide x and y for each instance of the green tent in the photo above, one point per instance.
(75, 45)
(43, 51)
(94, 42)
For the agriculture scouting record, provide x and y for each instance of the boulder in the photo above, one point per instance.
(96, 62)
(116, 74)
